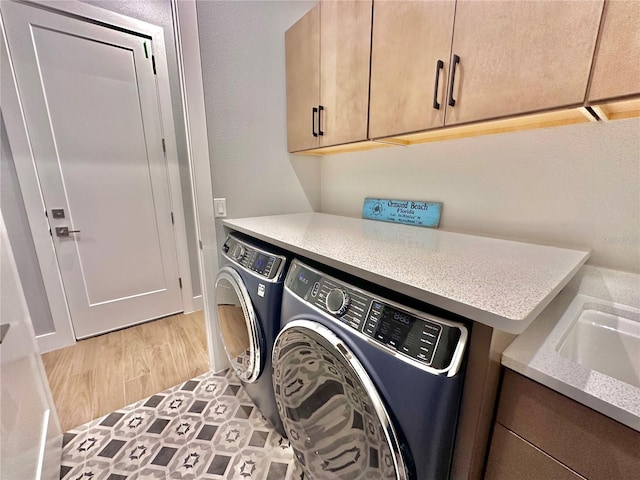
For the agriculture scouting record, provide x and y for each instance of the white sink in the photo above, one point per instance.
(605, 337)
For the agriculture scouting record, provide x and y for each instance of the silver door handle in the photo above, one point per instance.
(64, 231)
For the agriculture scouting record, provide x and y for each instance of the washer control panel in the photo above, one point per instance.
(407, 333)
(262, 263)
(426, 339)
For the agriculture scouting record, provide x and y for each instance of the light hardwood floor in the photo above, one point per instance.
(104, 373)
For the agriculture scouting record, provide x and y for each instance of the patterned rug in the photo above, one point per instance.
(206, 428)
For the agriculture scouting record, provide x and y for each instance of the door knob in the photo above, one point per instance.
(64, 231)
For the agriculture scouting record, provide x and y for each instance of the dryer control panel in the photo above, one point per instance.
(262, 263)
(431, 341)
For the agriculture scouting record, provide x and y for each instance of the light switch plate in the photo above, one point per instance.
(220, 207)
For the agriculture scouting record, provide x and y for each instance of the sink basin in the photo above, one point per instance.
(605, 337)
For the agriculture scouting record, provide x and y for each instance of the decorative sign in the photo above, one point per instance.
(410, 212)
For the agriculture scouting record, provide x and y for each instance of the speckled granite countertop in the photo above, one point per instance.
(535, 353)
(500, 283)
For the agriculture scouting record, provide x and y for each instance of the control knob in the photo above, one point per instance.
(337, 301)
(237, 252)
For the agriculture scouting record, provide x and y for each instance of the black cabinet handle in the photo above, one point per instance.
(439, 66)
(320, 110)
(456, 61)
(314, 111)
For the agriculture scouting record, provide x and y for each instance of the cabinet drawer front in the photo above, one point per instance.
(521, 56)
(588, 442)
(512, 458)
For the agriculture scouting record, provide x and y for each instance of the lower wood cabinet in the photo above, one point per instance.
(513, 458)
(540, 434)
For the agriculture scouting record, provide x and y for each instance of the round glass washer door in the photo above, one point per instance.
(238, 325)
(335, 419)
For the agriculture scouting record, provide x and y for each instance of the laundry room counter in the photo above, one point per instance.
(500, 283)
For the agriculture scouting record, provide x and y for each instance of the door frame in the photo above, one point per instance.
(185, 22)
(18, 135)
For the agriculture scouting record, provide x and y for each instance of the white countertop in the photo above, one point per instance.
(500, 283)
(535, 353)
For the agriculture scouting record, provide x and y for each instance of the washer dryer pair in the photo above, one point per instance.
(248, 298)
(367, 389)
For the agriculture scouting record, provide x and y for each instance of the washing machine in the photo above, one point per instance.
(248, 295)
(367, 389)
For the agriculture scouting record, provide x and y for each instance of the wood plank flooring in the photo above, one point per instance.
(104, 373)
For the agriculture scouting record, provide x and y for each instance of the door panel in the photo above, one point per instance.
(302, 51)
(617, 64)
(93, 165)
(31, 440)
(409, 37)
(91, 108)
(518, 57)
(345, 53)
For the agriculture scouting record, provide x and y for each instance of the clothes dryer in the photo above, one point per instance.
(248, 295)
(367, 389)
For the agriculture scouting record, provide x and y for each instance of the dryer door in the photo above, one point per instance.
(334, 417)
(239, 328)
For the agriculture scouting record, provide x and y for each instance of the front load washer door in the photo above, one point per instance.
(239, 328)
(333, 415)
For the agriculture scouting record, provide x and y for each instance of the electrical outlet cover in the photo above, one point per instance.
(220, 207)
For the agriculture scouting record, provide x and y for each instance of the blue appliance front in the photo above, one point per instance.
(248, 298)
(357, 399)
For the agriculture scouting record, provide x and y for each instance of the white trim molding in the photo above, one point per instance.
(190, 68)
(197, 303)
(28, 177)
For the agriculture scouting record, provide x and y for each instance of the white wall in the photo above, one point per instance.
(574, 186)
(242, 50)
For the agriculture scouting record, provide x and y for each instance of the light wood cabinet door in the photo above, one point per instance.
(616, 70)
(409, 39)
(302, 54)
(520, 56)
(345, 48)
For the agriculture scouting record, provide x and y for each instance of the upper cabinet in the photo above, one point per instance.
(517, 57)
(616, 71)
(506, 58)
(395, 71)
(411, 46)
(327, 62)
(302, 56)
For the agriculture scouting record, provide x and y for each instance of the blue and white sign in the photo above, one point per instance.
(409, 212)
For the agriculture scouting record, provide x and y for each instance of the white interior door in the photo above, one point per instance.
(91, 108)
(30, 436)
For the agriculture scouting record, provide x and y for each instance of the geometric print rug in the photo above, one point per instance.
(206, 428)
